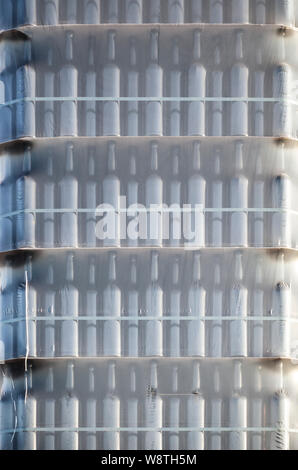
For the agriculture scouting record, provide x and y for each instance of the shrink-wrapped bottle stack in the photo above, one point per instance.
(148, 224)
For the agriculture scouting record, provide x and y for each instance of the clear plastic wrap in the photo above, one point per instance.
(53, 12)
(149, 303)
(227, 81)
(149, 404)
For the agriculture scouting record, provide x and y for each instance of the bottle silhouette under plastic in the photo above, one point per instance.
(239, 89)
(196, 199)
(260, 11)
(134, 11)
(280, 328)
(216, 333)
(69, 335)
(68, 86)
(258, 203)
(196, 89)
(132, 412)
(26, 88)
(91, 10)
(111, 197)
(240, 11)
(216, 406)
(7, 413)
(175, 217)
(26, 12)
(68, 189)
(51, 13)
(257, 332)
(175, 311)
(133, 91)
(71, 11)
(176, 11)
(90, 416)
(111, 88)
(282, 198)
(112, 308)
(6, 88)
(285, 12)
(256, 412)
(91, 201)
(239, 199)
(174, 412)
(133, 311)
(154, 201)
(26, 200)
(49, 405)
(237, 440)
(90, 91)
(154, 88)
(7, 302)
(196, 308)
(155, 11)
(217, 203)
(216, 11)
(282, 83)
(280, 414)
(91, 310)
(49, 188)
(259, 87)
(195, 413)
(154, 308)
(132, 201)
(111, 413)
(69, 409)
(238, 309)
(217, 92)
(26, 408)
(49, 310)
(196, 15)
(175, 91)
(153, 412)
(7, 202)
(113, 12)
(26, 312)
(49, 91)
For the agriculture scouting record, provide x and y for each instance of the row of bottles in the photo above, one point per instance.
(151, 315)
(87, 117)
(44, 212)
(53, 12)
(113, 415)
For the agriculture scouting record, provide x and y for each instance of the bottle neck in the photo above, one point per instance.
(239, 46)
(91, 380)
(70, 378)
(112, 157)
(112, 268)
(70, 268)
(197, 46)
(154, 267)
(111, 46)
(196, 157)
(154, 46)
(112, 378)
(133, 271)
(69, 158)
(69, 46)
(154, 157)
(91, 49)
(133, 53)
(92, 272)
